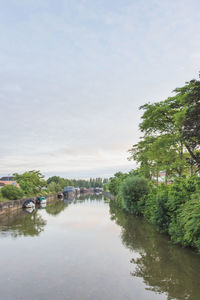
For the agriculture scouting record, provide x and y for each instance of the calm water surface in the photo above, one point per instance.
(90, 250)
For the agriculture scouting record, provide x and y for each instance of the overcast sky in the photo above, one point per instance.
(74, 72)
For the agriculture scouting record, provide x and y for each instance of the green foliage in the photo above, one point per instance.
(114, 182)
(62, 182)
(170, 143)
(54, 187)
(2, 199)
(185, 229)
(11, 192)
(171, 134)
(105, 187)
(156, 207)
(174, 208)
(132, 190)
(30, 182)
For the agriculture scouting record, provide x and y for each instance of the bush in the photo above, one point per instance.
(156, 207)
(185, 228)
(132, 190)
(54, 187)
(114, 182)
(11, 192)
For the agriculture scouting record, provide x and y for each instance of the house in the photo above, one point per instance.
(1, 184)
(8, 180)
(161, 178)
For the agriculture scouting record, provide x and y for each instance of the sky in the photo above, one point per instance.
(73, 74)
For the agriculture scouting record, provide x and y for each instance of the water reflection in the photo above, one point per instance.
(22, 223)
(89, 196)
(28, 222)
(56, 207)
(165, 268)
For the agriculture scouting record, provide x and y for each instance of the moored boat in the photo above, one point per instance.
(41, 200)
(60, 196)
(69, 191)
(29, 204)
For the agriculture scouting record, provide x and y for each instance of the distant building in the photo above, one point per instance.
(162, 178)
(8, 180)
(1, 184)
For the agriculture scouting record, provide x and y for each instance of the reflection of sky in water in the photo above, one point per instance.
(81, 254)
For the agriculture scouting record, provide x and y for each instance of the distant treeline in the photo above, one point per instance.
(32, 183)
(58, 183)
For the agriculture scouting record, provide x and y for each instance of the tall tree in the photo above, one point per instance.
(171, 133)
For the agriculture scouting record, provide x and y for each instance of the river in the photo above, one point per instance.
(90, 250)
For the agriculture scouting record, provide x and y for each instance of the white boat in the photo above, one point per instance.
(29, 210)
(43, 205)
(29, 204)
(42, 200)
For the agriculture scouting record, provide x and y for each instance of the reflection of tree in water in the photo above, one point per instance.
(165, 268)
(88, 196)
(55, 207)
(22, 224)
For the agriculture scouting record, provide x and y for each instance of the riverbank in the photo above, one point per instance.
(174, 208)
(109, 195)
(12, 205)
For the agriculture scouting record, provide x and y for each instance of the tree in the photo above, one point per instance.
(131, 191)
(171, 133)
(11, 192)
(54, 187)
(191, 124)
(30, 182)
(115, 181)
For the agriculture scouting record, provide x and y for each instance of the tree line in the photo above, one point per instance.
(56, 183)
(32, 183)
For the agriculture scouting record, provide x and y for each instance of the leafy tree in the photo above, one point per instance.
(191, 124)
(114, 182)
(156, 207)
(171, 130)
(11, 192)
(132, 190)
(30, 182)
(54, 187)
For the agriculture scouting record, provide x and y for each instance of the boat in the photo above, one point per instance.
(29, 210)
(77, 190)
(60, 196)
(41, 200)
(29, 204)
(42, 205)
(69, 191)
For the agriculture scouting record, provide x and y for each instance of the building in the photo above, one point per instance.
(161, 178)
(8, 180)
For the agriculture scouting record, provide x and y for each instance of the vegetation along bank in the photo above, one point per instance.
(165, 188)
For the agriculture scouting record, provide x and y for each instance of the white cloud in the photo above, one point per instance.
(74, 73)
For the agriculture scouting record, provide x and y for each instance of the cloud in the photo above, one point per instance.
(74, 73)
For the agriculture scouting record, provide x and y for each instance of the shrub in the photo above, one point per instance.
(54, 187)
(156, 207)
(185, 229)
(160, 216)
(11, 192)
(132, 190)
(114, 182)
